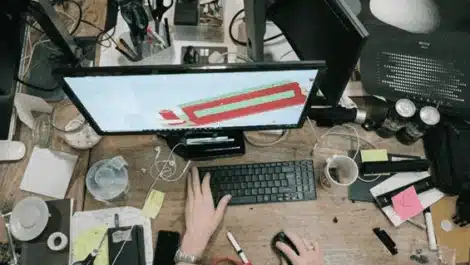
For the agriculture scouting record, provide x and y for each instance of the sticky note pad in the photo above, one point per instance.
(89, 240)
(407, 204)
(153, 204)
(374, 155)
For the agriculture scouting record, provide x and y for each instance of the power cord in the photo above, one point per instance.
(281, 138)
(358, 142)
(242, 43)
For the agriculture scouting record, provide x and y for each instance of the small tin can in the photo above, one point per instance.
(396, 118)
(415, 130)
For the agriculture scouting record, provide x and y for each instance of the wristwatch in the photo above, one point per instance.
(180, 256)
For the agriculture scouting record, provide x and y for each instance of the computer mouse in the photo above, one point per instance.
(282, 237)
(12, 150)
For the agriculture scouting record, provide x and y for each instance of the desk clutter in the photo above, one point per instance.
(89, 199)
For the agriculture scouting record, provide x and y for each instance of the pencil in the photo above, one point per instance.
(167, 32)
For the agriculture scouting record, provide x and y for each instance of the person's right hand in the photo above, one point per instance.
(309, 253)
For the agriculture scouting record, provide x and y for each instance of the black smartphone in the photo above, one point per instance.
(167, 244)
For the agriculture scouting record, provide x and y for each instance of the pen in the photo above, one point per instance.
(127, 47)
(421, 226)
(237, 248)
(167, 32)
(430, 229)
(130, 58)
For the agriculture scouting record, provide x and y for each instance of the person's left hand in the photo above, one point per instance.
(201, 217)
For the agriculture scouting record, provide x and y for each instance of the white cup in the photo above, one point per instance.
(346, 173)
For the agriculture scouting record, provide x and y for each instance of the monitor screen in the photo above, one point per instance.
(202, 100)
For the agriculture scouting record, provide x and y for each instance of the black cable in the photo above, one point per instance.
(102, 32)
(80, 16)
(32, 25)
(242, 43)
(38, 88)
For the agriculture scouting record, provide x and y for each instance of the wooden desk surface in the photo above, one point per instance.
(350, 239)
(11, 173)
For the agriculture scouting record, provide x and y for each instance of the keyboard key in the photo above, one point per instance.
(264, 170)
(261, 191)
(299, 188)
(310, 195)
(284, 182)
(250, 185)
(248, 178)
(243, 200)
(229, 186)
(255, 178)
(254, 192)
(306, 188)
(247, 192)
(267, 190)
(278, 170)
(277, 183)
(257, 185)
(259, 198)
(270, 170)
(266, 198)
(270, 177)
(264, 184)
(300, 196)
(274, 190)
(257, 171)
(241, 192)
(243, 185)
(236, 186)
(282, 176)
(270, 183)
(262, 177)
(244, 172)
(273, 197)
(291, 182)
(250, 171)
(287, 189)
(287, 169)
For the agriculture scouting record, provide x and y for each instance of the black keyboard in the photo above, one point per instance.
(263, 182)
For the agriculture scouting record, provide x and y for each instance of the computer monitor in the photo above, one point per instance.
(136, 100)
(181, 99)
(317, 30)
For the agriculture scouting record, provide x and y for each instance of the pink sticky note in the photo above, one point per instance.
(407, 204)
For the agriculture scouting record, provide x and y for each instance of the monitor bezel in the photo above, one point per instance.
(184, 69)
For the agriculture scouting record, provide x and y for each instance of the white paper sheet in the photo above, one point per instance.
(399, 180)
(48, 172)
(128, 216)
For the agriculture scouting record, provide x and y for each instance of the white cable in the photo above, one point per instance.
(239, 56)
(358, 143)
(160, 175)
(285, 54)
(164, 172)
(282, 137)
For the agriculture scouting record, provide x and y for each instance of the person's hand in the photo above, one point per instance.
(309, 253)
(201, 217)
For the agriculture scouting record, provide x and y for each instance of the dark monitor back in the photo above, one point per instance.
(322, 30)
(10, 52)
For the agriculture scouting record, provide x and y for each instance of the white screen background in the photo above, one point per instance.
(132, 103)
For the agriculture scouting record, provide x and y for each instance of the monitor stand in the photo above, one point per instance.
(200, 145)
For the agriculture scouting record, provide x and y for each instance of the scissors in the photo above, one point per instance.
(161, 9)
(90, 259)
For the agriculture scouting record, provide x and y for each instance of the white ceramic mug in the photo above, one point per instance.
(346, 172)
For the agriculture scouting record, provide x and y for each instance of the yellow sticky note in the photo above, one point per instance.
(89, 240)
(153, 204)
(374, 155)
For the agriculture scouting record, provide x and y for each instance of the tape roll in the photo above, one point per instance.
(63, 241)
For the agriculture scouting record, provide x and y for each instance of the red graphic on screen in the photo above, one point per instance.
(191, 118)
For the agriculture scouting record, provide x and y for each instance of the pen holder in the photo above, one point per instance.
(152, 52)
